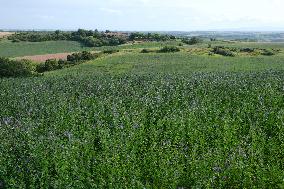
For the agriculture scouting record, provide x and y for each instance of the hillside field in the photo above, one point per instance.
(145, 120)
(10, 49)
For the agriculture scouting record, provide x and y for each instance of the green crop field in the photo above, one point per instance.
(146, 120)
(10, 49)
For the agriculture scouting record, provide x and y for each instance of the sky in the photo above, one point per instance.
(143, 15)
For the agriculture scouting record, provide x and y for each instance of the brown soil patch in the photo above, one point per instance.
(5, 34)
(43, 58)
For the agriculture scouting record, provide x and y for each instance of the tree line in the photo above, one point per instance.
(150, 36)
(89, 38)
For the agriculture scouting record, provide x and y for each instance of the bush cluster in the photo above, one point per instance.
(82, 56)
(248, 50)
(23, 68)
(110, 51)
(192, 41)
(168, 49)
(150, 36)
(145, 51)
(49, 65)
(267, 52)
(223, 51)
(92, 41)
(15, 68)
(73, 59)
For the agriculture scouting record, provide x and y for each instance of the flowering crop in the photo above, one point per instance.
(215, 130)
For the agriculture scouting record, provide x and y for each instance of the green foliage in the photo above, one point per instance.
(87, 37)
(40, 36)
(248, 50)
(169, 49)
(223, 51)
(150, 37)
(73, 59)
(110, 51)
(146, 51)
(16, 40)
(98, 42)
(267, 52)
(192, 41)
(15, 68)
(83, 56)
(233, 51)
(49, 65)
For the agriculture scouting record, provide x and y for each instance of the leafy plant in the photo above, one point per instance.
(267, 52)
(223, 51)
(192, 41)
(110, 51)
(168, 49)
(146, 51)
(15, 68)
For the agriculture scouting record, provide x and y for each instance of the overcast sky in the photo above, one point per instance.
(147, 15)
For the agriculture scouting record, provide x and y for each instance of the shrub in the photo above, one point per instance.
(192, 41)
(76, 57)
(110, 51)
(15, 40)
(49, 65)
(222, 51)
(167, 49)
(248, 50)
(145, 51)
(62, 63)
(15, 68)
(267, 52)
(150, 37)
(53, 64)
(40, 68)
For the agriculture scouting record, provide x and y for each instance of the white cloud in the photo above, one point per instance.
(111, 11)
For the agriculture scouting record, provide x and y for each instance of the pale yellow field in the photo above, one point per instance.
(5, 34)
